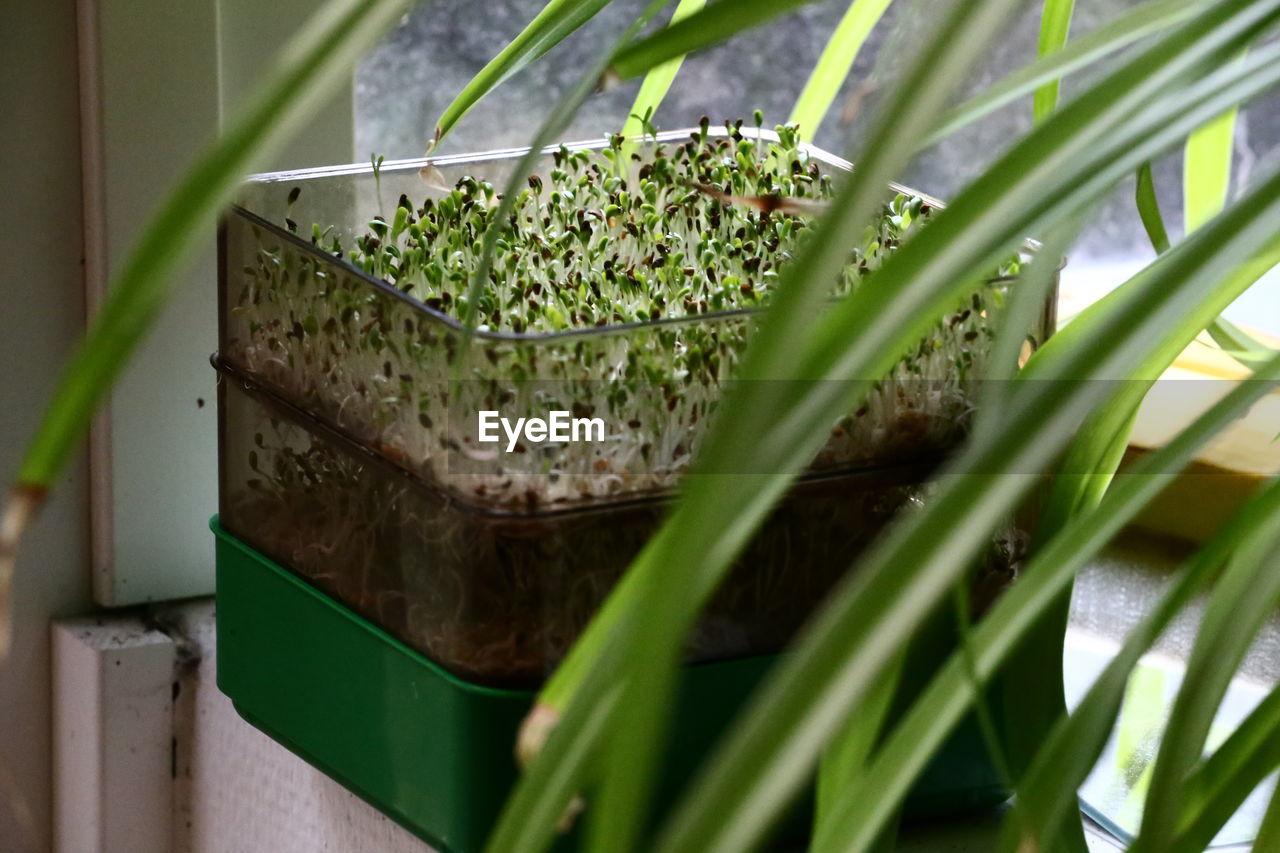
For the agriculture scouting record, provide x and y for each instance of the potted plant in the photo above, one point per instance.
(619, 304)
(1173, 84)
(477, 494)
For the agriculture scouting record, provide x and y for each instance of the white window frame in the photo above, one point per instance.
(157, 80)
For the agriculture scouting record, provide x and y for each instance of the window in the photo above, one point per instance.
(404, 85)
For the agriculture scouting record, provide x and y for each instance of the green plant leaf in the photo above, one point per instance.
(1269, 831)
(1238, 343)
(1043, 813)
(651, 667)
(1149, 209)
(557, 119)
(1206, 174)
(1032, 679)
(845, 759)
(865, 334)
(557, 20)
(1055, 26)
(834, 64)
(1046, 577)
(791, 314)
(658, 81)
(769, 751)
(532, 814)
(1206, 183)
(1219, 785)
(307, 70)
(1031, 687)
(1240, 604)
(1047, 795)
(710, 26)
(1127, 28)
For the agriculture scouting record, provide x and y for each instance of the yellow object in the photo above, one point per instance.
(1230, 467)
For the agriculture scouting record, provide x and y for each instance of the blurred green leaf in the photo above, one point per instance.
(834, 64)
(658, 81)
(865, 334)
(1149, 209)
(1047, 575)
(712, 25)
(1238, 343)
(1269, 831)
(769, 752)
(532, 814)
(1206, 173)
(1048, 792)
(1055, 26)
(1127, 28)
(557, 20)
(1242, 601)
(740, 442)
(1219, 785)
(1206, 183)
(845, 759)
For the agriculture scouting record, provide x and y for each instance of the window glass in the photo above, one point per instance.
(404, 85)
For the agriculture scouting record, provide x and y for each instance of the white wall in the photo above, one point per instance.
(41, 313)
(237, 790)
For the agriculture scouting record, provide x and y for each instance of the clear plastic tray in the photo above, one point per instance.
(390, 370)
(349, 446)
(499, 597)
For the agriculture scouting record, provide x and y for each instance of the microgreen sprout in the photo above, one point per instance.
(652, 248)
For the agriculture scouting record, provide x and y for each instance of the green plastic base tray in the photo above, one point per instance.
(431, 750)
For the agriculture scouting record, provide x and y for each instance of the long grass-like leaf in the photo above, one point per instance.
(658, 81)
(797, 302)
(1097, 139)
(532, 814)
(1211, 150)
(1027, 301)
(1032, 678)
(1055, 25)
(868, 332)
(532, 817)
(1206, 172)
(1233, 340)
(769, 752)
(651, 667)
(1206, 183)
(1241, 603)
(1041, 819)
(844, 761)
(1046, 577)
(834, 64)
(711, 26)
(1269, 831)
(557, 20)
(1219, 785)
(1193, 714)
(1127, 28)
(1047, 795)
(305, 73)
(1238, 343)
(1149, 209)
(1032, 685)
